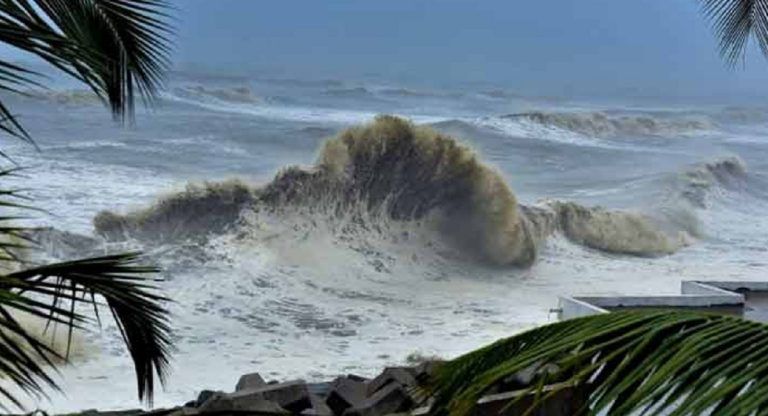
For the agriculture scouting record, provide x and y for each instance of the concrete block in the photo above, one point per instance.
(250, 382)
(242, 401)
(318, 407)
(392, 398)
(401, 375)
(346, 393)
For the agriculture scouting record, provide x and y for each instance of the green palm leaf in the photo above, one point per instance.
(658, 362)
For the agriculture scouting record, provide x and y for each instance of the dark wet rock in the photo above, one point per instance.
(250, 381)
(204, 396)
(404, 376)
(318, 407)
(292, 395)
(425, 370)
(242, 401)
(355, 377)
(183, 411)
(320, 389)
(345, 393)
(94, 412)
(391, 398)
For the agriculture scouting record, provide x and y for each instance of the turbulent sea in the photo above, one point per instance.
(297, 252)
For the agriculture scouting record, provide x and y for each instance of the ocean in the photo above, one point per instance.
(298, 253)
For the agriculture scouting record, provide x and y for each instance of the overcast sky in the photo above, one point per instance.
(661, 47)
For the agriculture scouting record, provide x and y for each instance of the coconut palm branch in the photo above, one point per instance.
(734, 22)
(657, 362)
(118, 48)
(61, 294)
(54, 293)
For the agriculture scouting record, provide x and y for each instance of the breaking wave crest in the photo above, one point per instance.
(603, 125)
(239, 94)
(706, 179)
(63, 97)
(394, 172)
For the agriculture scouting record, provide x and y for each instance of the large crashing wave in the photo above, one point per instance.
(602, 125)
(393, 170)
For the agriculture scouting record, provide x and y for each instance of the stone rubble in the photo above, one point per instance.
(393, 392)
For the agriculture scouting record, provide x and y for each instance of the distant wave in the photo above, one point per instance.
(499, 94)
(603, 125)
(744, 115)
(409, 93)
(392, 171)
(64, 97)
(239, 94)
(356, 92)
(295, 82)
(286, 112)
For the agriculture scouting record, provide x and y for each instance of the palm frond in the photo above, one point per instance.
(14, 239)
(116, 47)
(678, 362)
(734, 22)
(129, 296)
(56, 293)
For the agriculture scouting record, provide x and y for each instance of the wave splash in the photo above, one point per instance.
(394, 172)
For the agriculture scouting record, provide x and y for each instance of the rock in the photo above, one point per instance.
(425, 370)
(94, 412)
(292, 395)
(168, 412)
(319, 389)
(241, 401)
(345, 393)
(401, 375)
(318, 407)
(184, 411)
(391, 398)
(250, 381)
(355, 377)
(204, 396)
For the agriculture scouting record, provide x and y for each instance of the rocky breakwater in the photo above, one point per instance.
(396, 390)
